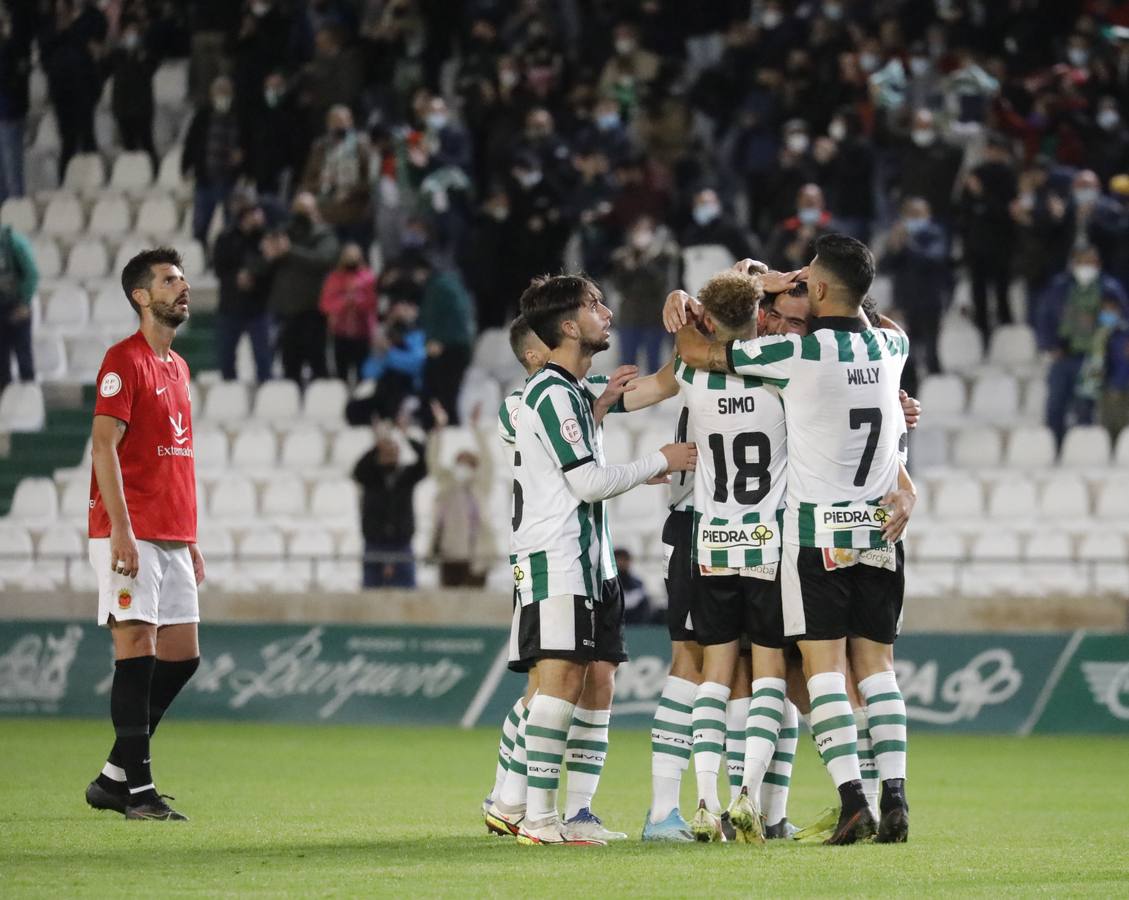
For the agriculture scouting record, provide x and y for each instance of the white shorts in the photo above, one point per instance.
(163, 593)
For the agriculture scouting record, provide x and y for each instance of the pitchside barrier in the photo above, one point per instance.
(1002, 683)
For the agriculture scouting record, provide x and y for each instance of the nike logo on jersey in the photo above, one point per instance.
(178, 428)
(863, 376)
(162, 390)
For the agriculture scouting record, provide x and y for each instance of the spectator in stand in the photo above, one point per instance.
(917, 258)
(396, 364)
(492, 275)
(337, 173)
(1067, 321)
(19, 278)
(132, 64)
(243, 286)
(263, 45)
(450, 143)
(1093, 218)
(626, 75)
(989, 233)
(388, 475)
(212, 24)
(709, 225)
(273, 150)
(644, 271)
(464, 542)
(15, 70)
(846, 161)
(607, 134)
(539, 228)
(334, 77)
(1113, 402)
(589, 204)
(446, 314)
(1108, 142)
(795, 168)
(348, 301)
(300, 256)
(70, 38)
(638, 609)
(792, 244)
(1042, 232)
(928, 167)
(212, 154)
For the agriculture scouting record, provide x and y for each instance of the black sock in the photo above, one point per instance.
(851, 797)
(168, 679)
(893, 795)
(129, 711)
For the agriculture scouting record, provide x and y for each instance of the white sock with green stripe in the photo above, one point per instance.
(762, 730)
(778, 778)
(736, 712)
(671, 742)
(867, 768)
(833, 726)
(516, 783)
(709, 739)
(585, 752)
(506, 745)
(887, 712)
(546, 732)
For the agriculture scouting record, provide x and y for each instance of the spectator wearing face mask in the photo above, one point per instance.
(274, 147)
(792, 244)
(1107, 144)
(607, 133)
(1068, 318)
(348, 302)
(487, 262)
(244, 282)
(212, 155)
(446, 314)
(709, 224)
(540, 229)
(450, 143)
(463, 542)
(917, 258)
(630, 69)
(928, 167)
(1093, 218)
(638, 608)
(335, 75)
(337, 173)
(1103, 383)
(846, 158)
(795, 167)
(644, 271)
(131, 65)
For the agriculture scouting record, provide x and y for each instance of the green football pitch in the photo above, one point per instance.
(352, 811)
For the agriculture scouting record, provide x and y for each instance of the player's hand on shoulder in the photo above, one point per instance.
(900, 504)
(679, 309)
(197, 563)
(124, 555)
(680, 457)
(911, 408)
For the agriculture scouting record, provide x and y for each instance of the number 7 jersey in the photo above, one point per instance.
(738, 425)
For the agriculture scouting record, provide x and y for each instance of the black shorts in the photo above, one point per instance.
(860, 601)
(516, 663)
(678, 540)
(737, 607)
(572, 627)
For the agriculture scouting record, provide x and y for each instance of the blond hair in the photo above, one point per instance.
(731, 298)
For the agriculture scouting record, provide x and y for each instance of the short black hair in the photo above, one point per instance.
(848, 260)
(551, 299)
(138, 272)
(519, 334)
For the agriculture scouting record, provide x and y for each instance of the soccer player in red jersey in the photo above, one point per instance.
(143, 529)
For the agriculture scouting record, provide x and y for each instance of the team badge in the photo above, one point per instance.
(125, 599)
(570, 430)
(762, 534)
(519, 575)
(111, 384)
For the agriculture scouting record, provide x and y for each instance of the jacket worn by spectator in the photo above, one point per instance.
(446, 313)
(297, 277)
(386, 495)
(348, 300)
(236, 250)
(209, 146)
(1051, 326)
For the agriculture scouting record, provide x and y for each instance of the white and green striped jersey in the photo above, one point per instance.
(556, 540)
(845, 424)
(737, 424)
(507, 418)
(681, 492)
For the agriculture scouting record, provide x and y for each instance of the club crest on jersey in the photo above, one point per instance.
(125, 599)
(570, 431)
(111, 384)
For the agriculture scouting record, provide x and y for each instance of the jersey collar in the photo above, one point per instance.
(563, 372)
(838, 323)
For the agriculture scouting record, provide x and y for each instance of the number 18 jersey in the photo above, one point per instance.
(738, 425)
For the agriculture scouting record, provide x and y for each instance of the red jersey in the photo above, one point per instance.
(158, 471)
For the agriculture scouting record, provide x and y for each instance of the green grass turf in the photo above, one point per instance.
(339, 810)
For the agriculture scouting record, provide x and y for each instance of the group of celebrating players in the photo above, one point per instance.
(789, 496)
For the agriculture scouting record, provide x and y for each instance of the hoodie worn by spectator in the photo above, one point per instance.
(19, 278)
(447, 317)
(348, 301)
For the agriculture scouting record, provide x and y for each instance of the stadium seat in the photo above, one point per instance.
(492, 354)
(67, 309)
(85, 174)
(218, 548)
(1030, 447)
(132, 172)
(958, 498)
(943, 397)
(977, 446)
(1012, 499)
(210, 449)
(303, 448)
(1121, 452)
(350, 445)
(1013, 347)
(22, 407)
(35, 503)
(112, 312)
(1086, 445)
(63, 217)
(75, 502)
(284, 498)
(995, 397)
(226, 403)
(254, 448)
(1035, 398)
(1050, 568)
(701, 262)
(260, 557)
(59, 548)
(335, 503)
(157, 215)
(928, 448)
(16, 553)
(170, 83)
(50, 355)
(84, 357)
(1113, 498)
(232, 498)
(307, 552)
(453, 440)
(1064, 497)
(994, 569)
(48, 259)
(195, 263)
(111, 216)
(324, 403)
(168, 175)
(20, 213)
(132, 244)
(1104, 555)
(87, 260)
(480, 393)
(277, 402)
(47, 138)
(959, 345)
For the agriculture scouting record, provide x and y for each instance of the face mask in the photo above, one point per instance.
(260, 9)
(499, 213)
(641, 240)
(351, 265)
(221, 104)
(272, 98)
(1085, 196)
(809, 215)
(918, 66)
(436, 121)
(1108, 119)
(797, 143)
(833, 11)
(529, 179)
(915, 224)
(923, 137)
(1078, 57)
(625, 46)
(130, 41)
(771, 19)
(704, 213)
(1027, 201)
(1107, 318)
(837, 130)
(507, 78)
(1085, 274)
(412, 240)
(607, 121)
(868, 62)
(462, 473)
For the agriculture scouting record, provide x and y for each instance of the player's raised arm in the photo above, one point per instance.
(651, 389)
(698, 351)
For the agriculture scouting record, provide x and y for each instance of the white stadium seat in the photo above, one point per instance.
(1013, 346)
(1121, 451)
(35, 502)
(84, 356)
(943, 397)
(59, 548)
(995, 397)
(16, 553)
(168, 175)
(210, 449)
(63, 217)
(110, 217)
(276, 402)
(261, 559)
(335, 503)
(132, 244)
(132, 171)
(75, 503)
(701, 262)
(48, 259)
(958, 498)
(87, 260)
(170, 83)
(232, 498)
(1050, 568)
(20, 214)
(50, 355)
(47, 134)
(1035, 398)
(1012, 499)
(112, 311)
(480, 392)
(1086, 445)
(284, 497)
(226, 403)
(1104, 554)
(959, 344)
(22, 407)
(928, 448)
(324, 403)
(1064, 497)
(995, 569)
(86, 173)
(977, 446)
(1113, 498)
(492, 354)
(303, 448)
(1030, 447)
(255, 447)
(157, 215)
(349, 446)
(67, 309)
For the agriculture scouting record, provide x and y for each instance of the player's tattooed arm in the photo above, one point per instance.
(698, 352)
